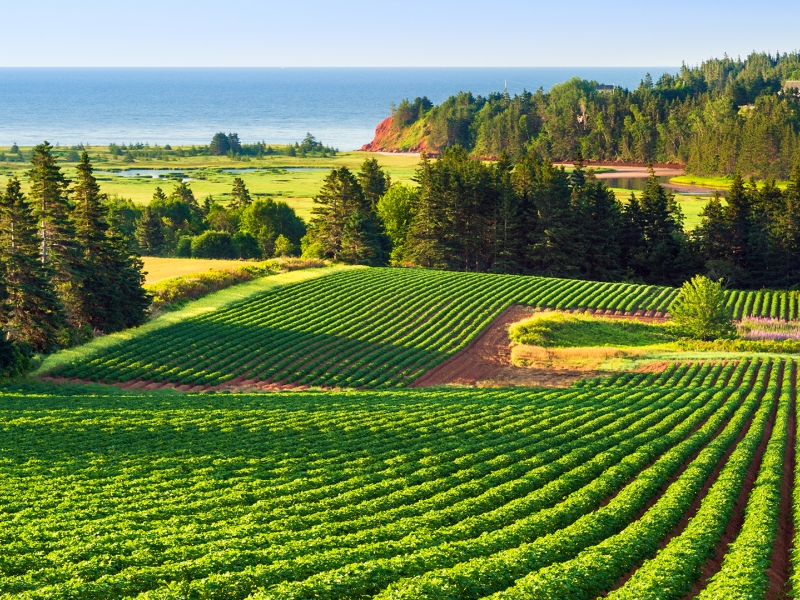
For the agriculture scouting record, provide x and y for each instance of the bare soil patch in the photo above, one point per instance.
(487, 360)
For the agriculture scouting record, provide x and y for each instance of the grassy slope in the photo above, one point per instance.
(582, 341)
(213, 302)
(560, 330)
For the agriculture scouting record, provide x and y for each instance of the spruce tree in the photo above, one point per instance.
(663, 259)
(374, 182)
(59, 250)
(788, 229)
(35, 315)
(738, 213)
(425, 245)
(111, 294)
(129, 303)
(150, 233)
(339, 197)
(240, 194)
(88, 218)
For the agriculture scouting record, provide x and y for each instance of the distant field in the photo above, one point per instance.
(296, 188)
(158, 269)
(362, 327)
(405, 494)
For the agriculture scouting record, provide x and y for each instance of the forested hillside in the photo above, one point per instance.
(721, 117)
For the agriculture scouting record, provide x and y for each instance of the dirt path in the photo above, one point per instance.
(486, 361)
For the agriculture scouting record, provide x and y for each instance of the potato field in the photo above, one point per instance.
(632, 486)
(367, 328)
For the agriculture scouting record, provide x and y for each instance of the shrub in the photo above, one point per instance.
(246, 245)
(699, 310)
(214, 244)
(184, 247)
(13, 363)
(283, 247)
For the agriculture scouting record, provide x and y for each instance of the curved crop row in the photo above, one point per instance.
(364, 327)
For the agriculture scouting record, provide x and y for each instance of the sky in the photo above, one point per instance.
(361, 33)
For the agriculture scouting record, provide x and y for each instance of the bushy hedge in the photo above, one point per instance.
(197, 285)
(214, 244)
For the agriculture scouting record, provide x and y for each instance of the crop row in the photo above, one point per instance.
(120, 494)
(674, 569)
(367, 328)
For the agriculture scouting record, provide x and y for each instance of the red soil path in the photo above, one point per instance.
(486, 361)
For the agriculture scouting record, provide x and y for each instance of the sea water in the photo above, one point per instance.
(340, 106)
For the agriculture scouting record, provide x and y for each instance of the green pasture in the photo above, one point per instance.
(721, 182)
(208, 175)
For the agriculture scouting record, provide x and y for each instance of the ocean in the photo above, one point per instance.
(339, 106)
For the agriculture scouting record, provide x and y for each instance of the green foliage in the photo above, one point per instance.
(396, 210)
(240, 194)
(283, 247)
(345, 225)
(246, 245)
(35, 315)
(691, 117)
(467, 493)
(562, 330)
(13, 363)
(700, 310)
(265, 219)
(214, 244)
(184, 247)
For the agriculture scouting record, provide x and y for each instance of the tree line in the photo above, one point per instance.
(64, 271)
(723, 117)
(531, 217)
(178, 225)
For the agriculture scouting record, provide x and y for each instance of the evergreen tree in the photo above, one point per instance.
(128, 302)
(552, 248)
(788, 229)
(240, 194)
(601, 219)
(339, 197)
(185, 194)
(712, 235)
(94, 295)
(111, 296)
(508, 229)
(35, 315)
(150, 233)
(59, 249)
(738, 214)
(663, 258)
(425, 245)
(374, 182)
(363, 240)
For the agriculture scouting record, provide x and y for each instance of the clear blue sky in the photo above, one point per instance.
(382, 34)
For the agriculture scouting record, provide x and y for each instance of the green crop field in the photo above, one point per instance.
(362, 327)
(418, 494)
